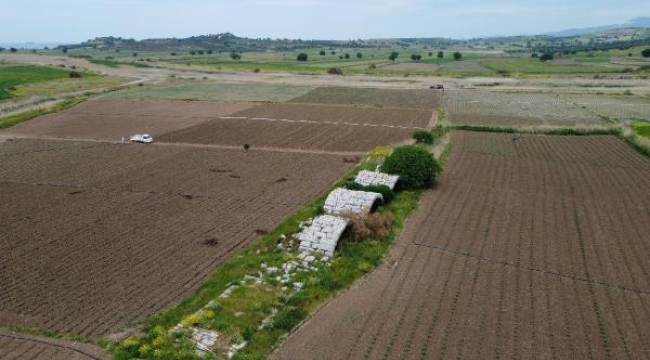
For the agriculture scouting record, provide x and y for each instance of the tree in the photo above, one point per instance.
(210, 52)
(135, 54)
(430, 54)
(441, 54)
(192, 52)
(458, 56)
(534, 55)
(546, 56)
(416, 57)
(65, 50)
(393, 55)
(13, 49)
(359, 55)
(302, 57)
(347, 56)
(322, 53)
(235, 55)
(2, 49)
(173, 54)
(645, 53)
(201, 52)
(333, 52)
(415, 165)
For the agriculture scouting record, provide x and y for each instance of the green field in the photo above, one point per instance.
(642, 129)
(12, 75)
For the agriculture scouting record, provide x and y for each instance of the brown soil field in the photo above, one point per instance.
(29, 347)
(97, 236)
(341, 114)
(396, 98)
(534, 249)
(112, 119)
(291, 134)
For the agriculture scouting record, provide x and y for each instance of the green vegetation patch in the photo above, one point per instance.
(12, 76)
(216, 92)
(28, 115)
(642, 129)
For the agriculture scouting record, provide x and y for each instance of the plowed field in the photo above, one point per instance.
(97, 236)
(107, 119)
(290, 134)
(341, 114)
(28, 347)
(528, 249)
(405, 99)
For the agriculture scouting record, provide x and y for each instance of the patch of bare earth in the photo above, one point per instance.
(29, 347)
(113, 119)
(534, 248)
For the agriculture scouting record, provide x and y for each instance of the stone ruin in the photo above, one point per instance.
(323, 234)
(341, 201)
(367, 178)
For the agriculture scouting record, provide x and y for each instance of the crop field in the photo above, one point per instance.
(471, 107)
(408, 98)
(529, 65)
(112, 119)
(528, 249)
(290, 134)
(414, 66)
(618, 107)
(216, 92)
(12, 75)
(464, 67)
(411, 118)
(97, 236)
(28, 347)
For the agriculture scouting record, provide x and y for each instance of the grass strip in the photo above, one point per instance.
(12, 120)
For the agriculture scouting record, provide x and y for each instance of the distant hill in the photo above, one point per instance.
(640, 22)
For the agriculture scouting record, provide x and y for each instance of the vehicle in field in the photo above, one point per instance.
(142, 138)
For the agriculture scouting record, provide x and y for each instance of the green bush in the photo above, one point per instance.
(415, 166)
(302, 57)
(423, 136)
(387, 193)
(288, 318)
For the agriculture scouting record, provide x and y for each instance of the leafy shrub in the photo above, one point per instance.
(347, 56)
(235, 56)
(416, 57)
(335, 71)
(645, 53)
(302, 57)
(546, 56)
(393, 55)
(322, 53)
(415, 166)
(75, 74)
(359, 55)
(372, 66)
(458, 56)
(289, 318)
(441, 54)
(423, 136)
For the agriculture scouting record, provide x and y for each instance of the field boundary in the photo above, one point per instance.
(12, 120)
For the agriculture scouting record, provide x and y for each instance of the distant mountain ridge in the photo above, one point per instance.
(640, 22)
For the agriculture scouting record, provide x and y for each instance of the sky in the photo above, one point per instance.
(71, 21)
